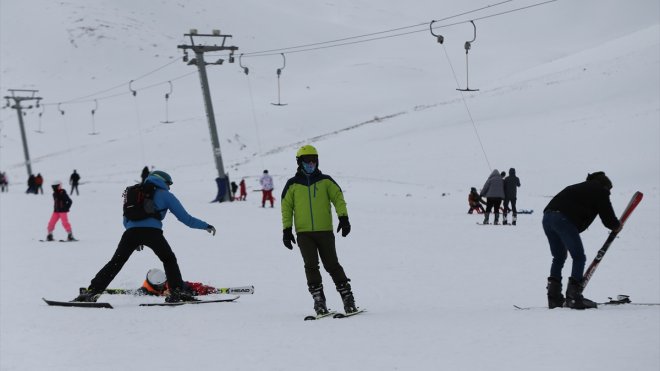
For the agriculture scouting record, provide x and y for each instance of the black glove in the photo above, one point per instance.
(210, 229)
(287, 238)
(344, 226)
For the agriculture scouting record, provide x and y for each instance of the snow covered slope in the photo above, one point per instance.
(566, 88)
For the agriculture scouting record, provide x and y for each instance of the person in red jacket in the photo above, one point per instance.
(475, 201)
(39, 184)
(156, 284)
(61, 207)
(243, 195)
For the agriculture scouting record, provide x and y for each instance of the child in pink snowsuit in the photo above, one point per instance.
(62, 204)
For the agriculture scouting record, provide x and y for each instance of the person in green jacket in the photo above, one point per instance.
(306, 200)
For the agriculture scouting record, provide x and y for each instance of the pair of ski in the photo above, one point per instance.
(237, 291)
(74, 240)
(80, 304)
(609, 303)
(334, 314)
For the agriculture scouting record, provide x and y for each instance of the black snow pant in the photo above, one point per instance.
(493, 203)
(130, 240)
(513, 207)
(320, 244)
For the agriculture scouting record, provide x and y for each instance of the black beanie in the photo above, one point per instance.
(601, 178)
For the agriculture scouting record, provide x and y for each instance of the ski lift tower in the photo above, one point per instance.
(19, 95)
(198, 60)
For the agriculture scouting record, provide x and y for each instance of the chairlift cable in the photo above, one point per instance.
(467, 109)
(138, 121)
(372, 33)
(254, 113)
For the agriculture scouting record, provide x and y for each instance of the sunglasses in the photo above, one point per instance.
(309, 159)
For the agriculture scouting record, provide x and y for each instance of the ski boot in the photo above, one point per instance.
(87, 296)
(497, 219)
(50, 237)
(319, 298)
(344, 290)
(70, 237)
(513, 222)
(574, 298)
(486, 216)
(555, 297)
(180, 294)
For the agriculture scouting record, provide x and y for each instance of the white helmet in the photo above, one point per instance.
(156, 278)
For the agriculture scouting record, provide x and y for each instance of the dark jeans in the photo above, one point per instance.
(132, 238)
(564, 238)
(320, 244)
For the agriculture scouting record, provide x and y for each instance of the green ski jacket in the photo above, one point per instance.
(306, 200)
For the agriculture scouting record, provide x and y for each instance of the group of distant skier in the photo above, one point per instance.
(498, 187)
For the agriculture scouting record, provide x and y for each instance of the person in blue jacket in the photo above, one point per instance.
(149, 232)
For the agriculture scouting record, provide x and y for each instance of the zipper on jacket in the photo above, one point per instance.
(309, 193)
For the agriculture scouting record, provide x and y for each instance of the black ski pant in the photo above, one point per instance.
(320, 244)
(513, 207)
(130, 240)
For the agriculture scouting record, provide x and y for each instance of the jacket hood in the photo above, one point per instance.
(158, 182)
(512, 171)
(495, 173)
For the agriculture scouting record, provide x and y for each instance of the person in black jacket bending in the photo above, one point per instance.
(567, 215)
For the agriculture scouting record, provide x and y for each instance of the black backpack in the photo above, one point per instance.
(139, 202)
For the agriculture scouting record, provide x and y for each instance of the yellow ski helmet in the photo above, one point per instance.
(306, 150)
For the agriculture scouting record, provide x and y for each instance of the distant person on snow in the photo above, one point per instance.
(32, 186)
(62, 204)
(39, 184)
(73, 181)
(266, 182)
(306, 199)
(4, 182)
(243, 195)
(475, 201)
(493, 190)
(234, 189)
(145, 173)
(149, 232)
(511, 184)
(567, 215)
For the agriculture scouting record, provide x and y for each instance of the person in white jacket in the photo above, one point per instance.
(266, 189)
